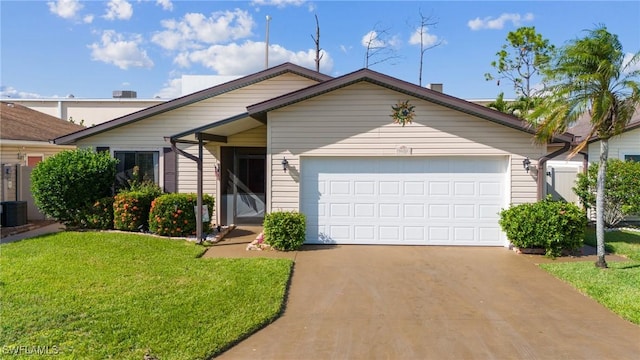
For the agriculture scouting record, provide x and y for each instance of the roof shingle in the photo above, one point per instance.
(19, 122)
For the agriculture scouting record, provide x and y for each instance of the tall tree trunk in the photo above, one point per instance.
(602, 170)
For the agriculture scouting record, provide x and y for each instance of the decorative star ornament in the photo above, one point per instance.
(403, 113)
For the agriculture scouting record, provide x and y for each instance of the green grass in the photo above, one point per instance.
(97, 295)
(625, 243)
(616, 287)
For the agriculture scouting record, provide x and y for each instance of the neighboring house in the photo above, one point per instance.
(89, 112)
(288, 138)
(25, 136)
(562, 170)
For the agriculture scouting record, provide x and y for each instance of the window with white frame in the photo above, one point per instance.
(137, 165)
(630, 155)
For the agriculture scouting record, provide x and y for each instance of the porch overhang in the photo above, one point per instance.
(218, 131)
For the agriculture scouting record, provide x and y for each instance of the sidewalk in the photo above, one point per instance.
(31, 230)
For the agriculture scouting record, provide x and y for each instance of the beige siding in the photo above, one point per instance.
(9, 152)
(93, 112)
(149, 134)
(626, 143)
(355, 121)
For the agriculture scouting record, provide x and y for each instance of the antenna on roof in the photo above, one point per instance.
(266, 49)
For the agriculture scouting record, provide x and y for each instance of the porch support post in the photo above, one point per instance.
(199, 227)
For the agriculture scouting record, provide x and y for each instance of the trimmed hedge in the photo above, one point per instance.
(552, 225)
(284, 230)
(99, 215)
(174, 214)
(68, 183)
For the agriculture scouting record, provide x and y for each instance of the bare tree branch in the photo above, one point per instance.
(378, 47)
(422, 28)
(316, 41)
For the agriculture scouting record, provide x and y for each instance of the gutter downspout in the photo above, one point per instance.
(542, 175)
(198, 160)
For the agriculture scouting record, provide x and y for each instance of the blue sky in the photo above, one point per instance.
(90, 48)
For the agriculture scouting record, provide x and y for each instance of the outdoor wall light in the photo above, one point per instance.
(285, 164)
(526, 163)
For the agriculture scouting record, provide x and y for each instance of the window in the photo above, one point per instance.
(635, 158)
(145, 161)
(33, 160)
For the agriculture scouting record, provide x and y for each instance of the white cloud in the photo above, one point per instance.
(88, 19)
(499, 23)
(277, 3)
(118, 9)
(246, 58)
(171, 89)
(631, 66)
(66, 9)
(194, 30)
(375, 40)
(166, 4)
(371, 40)
(123, 53)
(427, 39)
(9, 92)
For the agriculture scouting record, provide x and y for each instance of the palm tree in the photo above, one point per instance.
(590, 75)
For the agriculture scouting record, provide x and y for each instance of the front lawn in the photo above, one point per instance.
(94, 295)
(617, 287)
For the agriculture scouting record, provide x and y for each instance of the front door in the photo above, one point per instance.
(243, 177)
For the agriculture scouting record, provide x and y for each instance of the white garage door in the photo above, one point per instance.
(404, 200)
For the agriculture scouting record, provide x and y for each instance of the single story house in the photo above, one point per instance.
(25, 136)
(368, 158)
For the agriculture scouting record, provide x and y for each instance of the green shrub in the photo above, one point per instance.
(548, 224)
(284, 230)
(621, 189)
(66, 184)
(174, 214)
(131, 208)
(99, 215)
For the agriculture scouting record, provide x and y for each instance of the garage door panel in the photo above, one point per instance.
(439, 211)
(439, 188)
(408, 200)
(414, 211)
(389, 188)
(364, 188)
(389, 211)
(464, 188)
(365, 210)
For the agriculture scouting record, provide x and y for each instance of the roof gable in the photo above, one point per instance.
(260, 110)
(19, 122)
(193, 98)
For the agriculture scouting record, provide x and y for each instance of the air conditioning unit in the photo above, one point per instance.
(124, 94)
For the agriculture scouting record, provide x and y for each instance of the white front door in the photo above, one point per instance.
(404, 200)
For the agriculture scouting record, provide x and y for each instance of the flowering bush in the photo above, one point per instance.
(131, 210)
(174, 214)
(99, 215)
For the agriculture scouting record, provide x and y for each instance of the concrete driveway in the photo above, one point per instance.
(401, 302)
